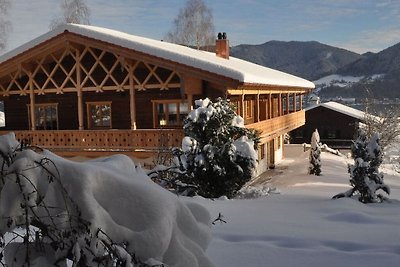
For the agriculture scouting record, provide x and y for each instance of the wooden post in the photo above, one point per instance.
(132, 98)
(32, 102)
(79, 91)
(280, 105)
(258, 107)
(190, 101)
(301, 102)
(242, 106)
(269, 106)
(287, 103)
(294, 102)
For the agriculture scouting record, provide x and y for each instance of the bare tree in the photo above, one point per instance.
(74, 11)
(194, 25)
(385, 122)
(5, 25)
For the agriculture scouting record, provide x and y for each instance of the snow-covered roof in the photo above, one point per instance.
(338, 107)
(234, 68)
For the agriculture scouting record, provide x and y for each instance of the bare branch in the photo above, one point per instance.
(385, 122)
(194, 25)
(73, 11)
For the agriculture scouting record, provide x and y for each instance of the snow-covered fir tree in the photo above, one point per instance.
(365, 177)
(218, 154)
(315, 154)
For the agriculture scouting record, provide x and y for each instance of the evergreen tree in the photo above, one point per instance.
(365, 177)
(315, 154)
(218, 153)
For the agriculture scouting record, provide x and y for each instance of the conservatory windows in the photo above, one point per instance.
(99, 115)
(46, 116)
(169, 113)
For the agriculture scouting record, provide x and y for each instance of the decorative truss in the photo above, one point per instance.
(74, 66)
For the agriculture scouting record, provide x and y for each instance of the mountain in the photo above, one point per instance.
(378, 77)
(310, 60)
(385, 62)
(336, 72)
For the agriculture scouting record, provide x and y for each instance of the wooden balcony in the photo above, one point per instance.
(274, 127)
(142, 143)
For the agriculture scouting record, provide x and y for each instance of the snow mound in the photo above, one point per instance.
(113, 195)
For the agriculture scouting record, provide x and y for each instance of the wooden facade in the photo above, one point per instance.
(336, 129)
(77, 94)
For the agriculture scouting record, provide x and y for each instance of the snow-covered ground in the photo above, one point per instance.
(344, 81)
(298, 224)
(303, 226)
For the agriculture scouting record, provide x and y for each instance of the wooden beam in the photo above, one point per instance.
(270, 106)
(294, 102)
(79, 90)
(258, 108)
(301, 102)
(32, 102)
(132, 98)
(287, 103)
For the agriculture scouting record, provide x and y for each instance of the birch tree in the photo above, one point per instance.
(5, 25)
(194, 25)
(73, 11)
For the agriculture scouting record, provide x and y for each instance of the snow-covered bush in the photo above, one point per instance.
(315, 154)
(218, 154)
(250, 192)
(365, 177)
(104, 212)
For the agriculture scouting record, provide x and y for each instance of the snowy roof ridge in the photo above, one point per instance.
(234, 68)
(352, 112)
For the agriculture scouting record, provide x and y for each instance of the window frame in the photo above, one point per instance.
(37, 118)
(90, 122)
(157, 123)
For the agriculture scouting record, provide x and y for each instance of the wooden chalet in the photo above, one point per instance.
(337, 124)
(89, 90)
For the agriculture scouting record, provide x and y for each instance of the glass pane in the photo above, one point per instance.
(172, 108)
(100, 115)
(161, 119)
(95, 115)
(183, 108)
(106, 115)
(183, 112)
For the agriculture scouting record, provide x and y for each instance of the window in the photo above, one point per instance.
(99, 115)
(169, 113)
(46, 116)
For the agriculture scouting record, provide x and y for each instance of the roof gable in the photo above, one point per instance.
(237, 69)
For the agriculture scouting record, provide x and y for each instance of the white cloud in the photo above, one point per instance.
(372, 40)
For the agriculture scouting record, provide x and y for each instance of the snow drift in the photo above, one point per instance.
(113, 195)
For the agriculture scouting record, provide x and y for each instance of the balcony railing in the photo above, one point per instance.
(141, 140)
(274, 127)
(102, 140)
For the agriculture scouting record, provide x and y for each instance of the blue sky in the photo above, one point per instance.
(357, 25)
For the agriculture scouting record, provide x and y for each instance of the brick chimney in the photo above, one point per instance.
(222, 46)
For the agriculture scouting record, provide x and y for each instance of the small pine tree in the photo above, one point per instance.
(218, 153)
(365, 177)
(315, 154)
